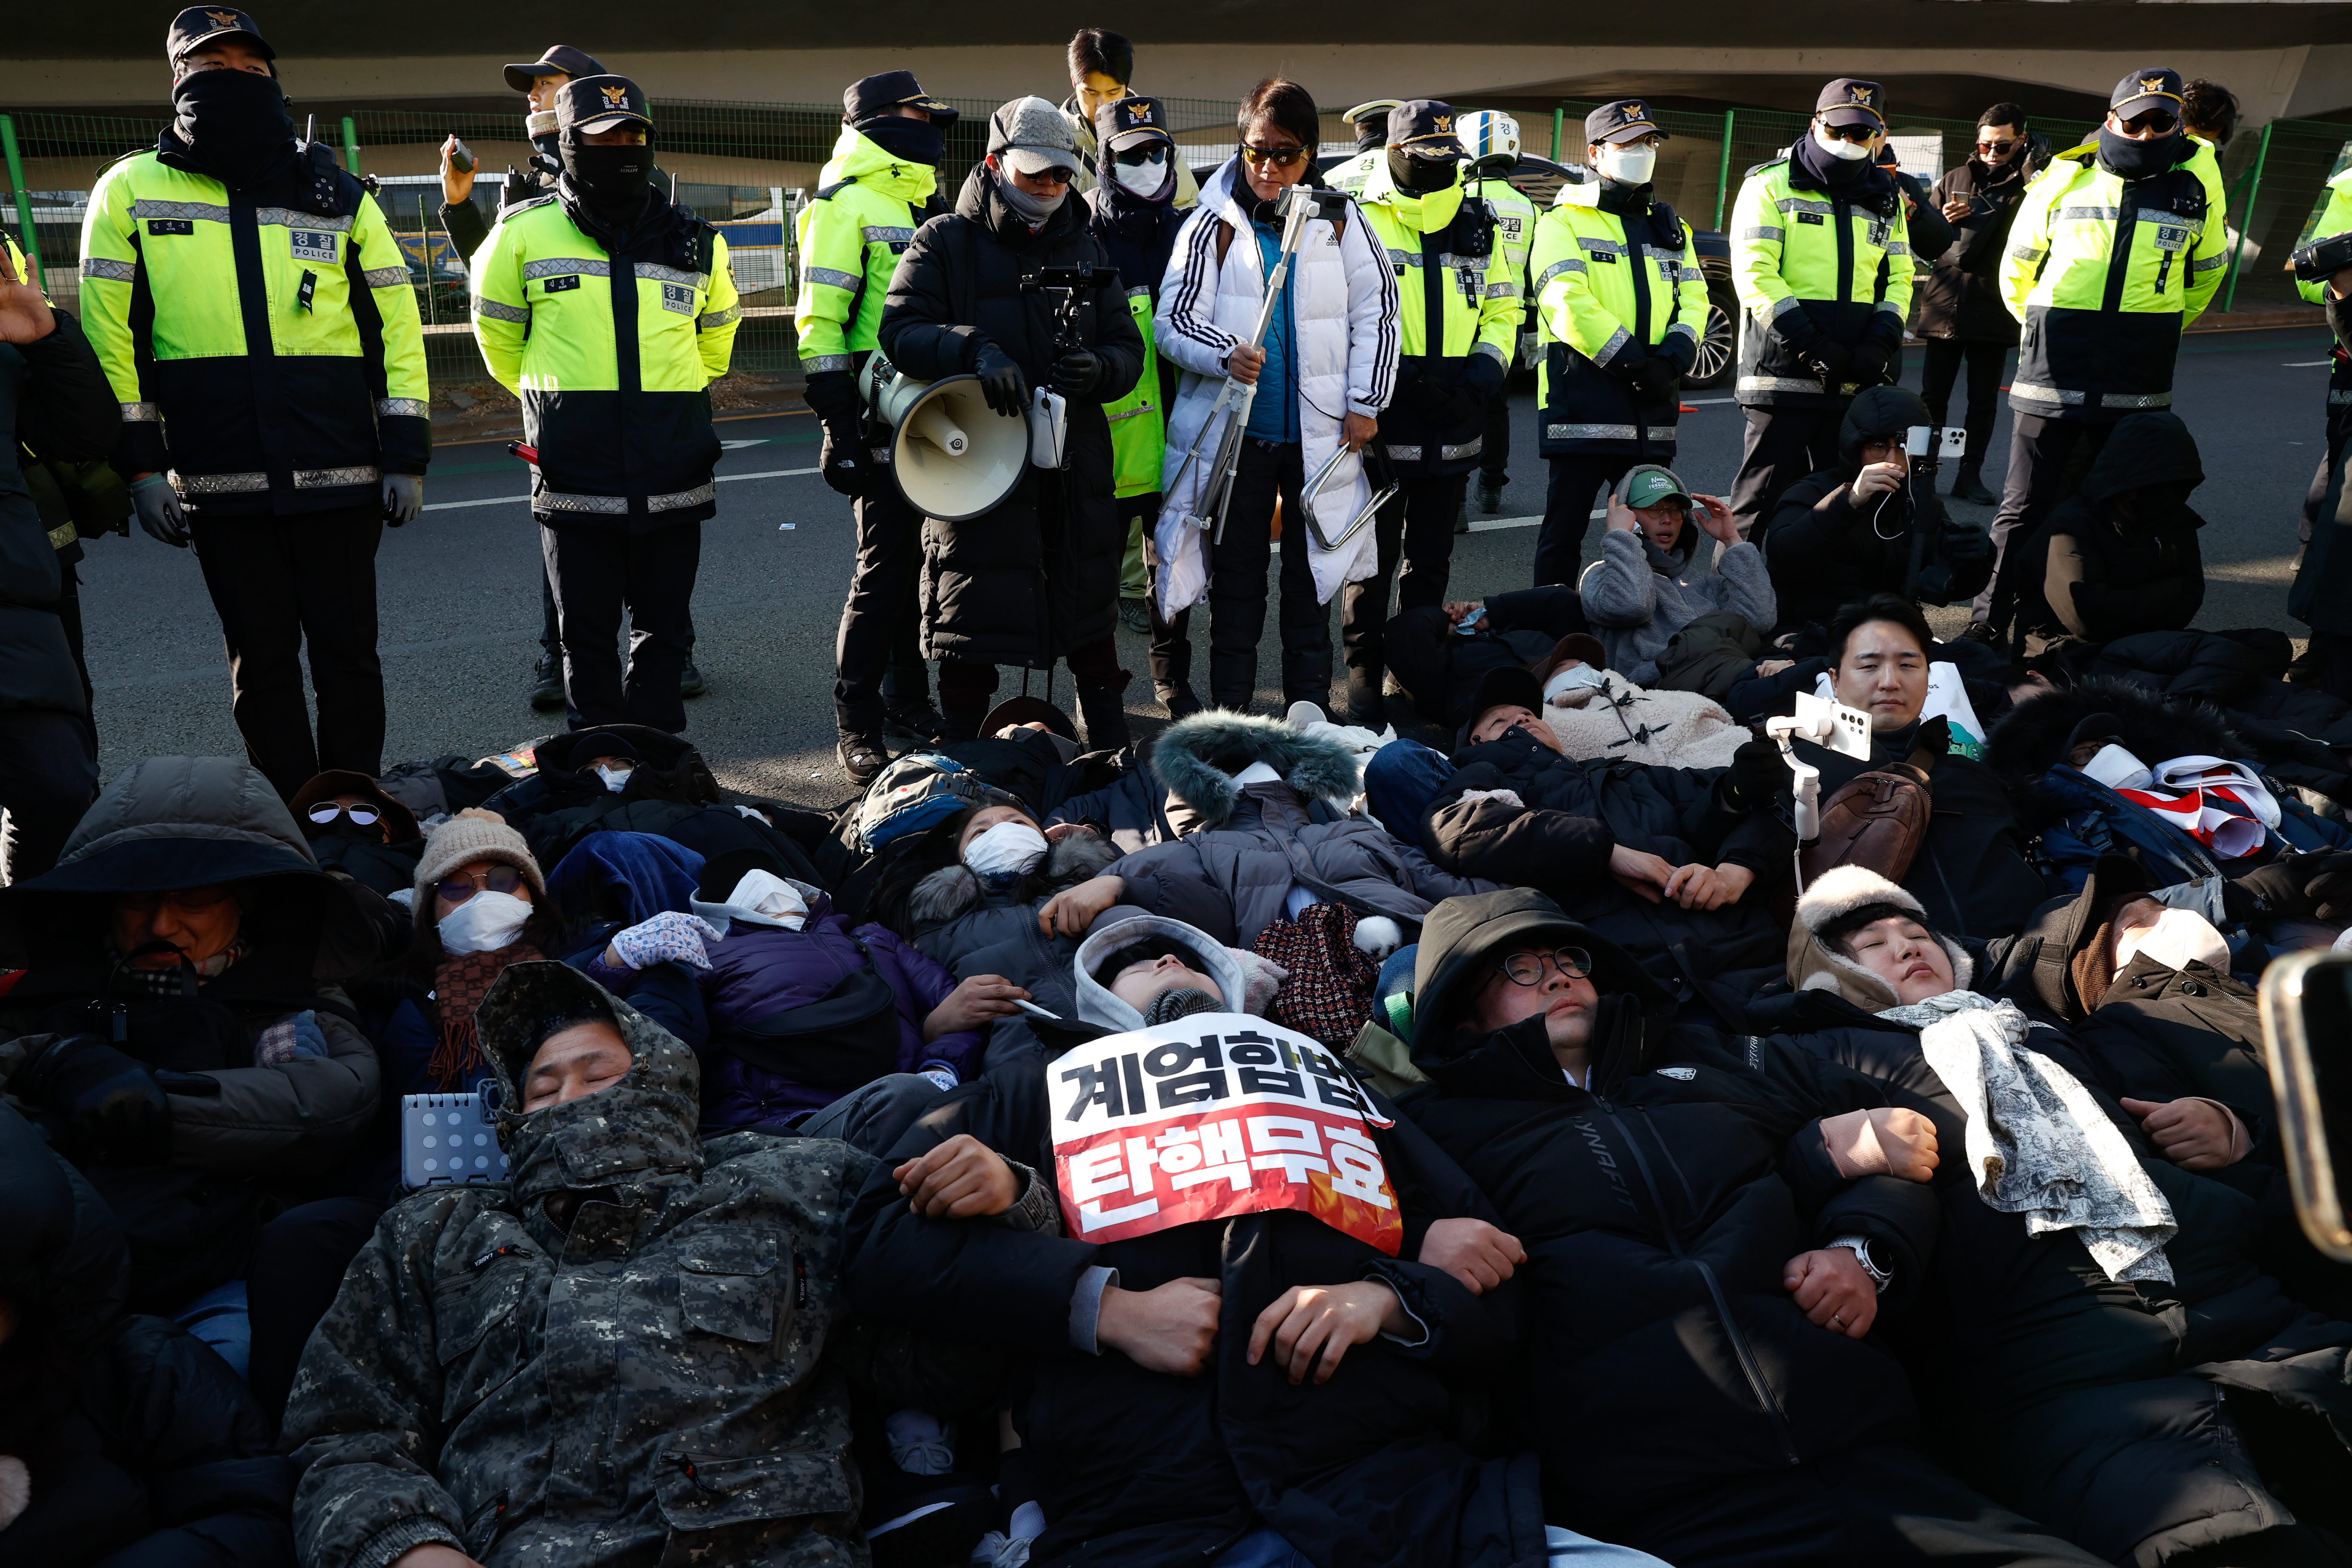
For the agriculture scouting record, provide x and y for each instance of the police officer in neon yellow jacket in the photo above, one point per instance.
(2118, 246)
(608, 309)
(1619, 305)
(1820, 255)
(1458, 304)
(881, 184)
(2335, 217)
(255, 316)
(1492, 140)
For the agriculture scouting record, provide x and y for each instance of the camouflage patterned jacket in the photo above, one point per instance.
(650, 1387)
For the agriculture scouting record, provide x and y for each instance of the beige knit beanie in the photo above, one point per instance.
(474, 835)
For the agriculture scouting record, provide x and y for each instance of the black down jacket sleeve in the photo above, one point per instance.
(1517, 846)
(920, 332)
(68, 414)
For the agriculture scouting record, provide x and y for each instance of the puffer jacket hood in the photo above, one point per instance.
(1877, 412)
(1815, 963)
(858, 156)
(185, 822)
(2149, 448)
(2035, 736)
(642, 1127)
(1199, 756)
(1096, 1002)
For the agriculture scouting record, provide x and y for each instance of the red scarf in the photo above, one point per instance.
(458, 986)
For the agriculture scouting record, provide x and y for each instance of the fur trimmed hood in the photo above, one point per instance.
(1198, 757)
(952, 891)
(2035, 735)
(1816, 965)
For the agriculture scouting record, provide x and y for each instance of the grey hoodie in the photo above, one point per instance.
(1638, 597)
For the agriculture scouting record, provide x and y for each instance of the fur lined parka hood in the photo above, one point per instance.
(1198, 757)
(2035, 735)
(1817, 964)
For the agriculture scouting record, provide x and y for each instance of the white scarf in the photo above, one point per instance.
(2039, 1144)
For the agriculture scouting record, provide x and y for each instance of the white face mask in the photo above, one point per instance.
(763, 898)
(483, 923)
(2178, 939)
(1005, 851)
(1837, 147)
(1148, 178)
(615, 779)
(1575, 677)
(1629, 165)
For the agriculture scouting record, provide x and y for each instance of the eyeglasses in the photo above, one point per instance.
(1280, 157)
(1528, 968)
(326, 811)
(2156, 121)
(1849, 132)
(1984, 146)
(457, 890)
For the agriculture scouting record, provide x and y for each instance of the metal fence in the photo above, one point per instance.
(747, 166)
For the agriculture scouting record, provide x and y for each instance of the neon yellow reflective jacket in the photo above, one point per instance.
(2105, 275)
(1457, 304)
(2334, 218)
(1604, 300)
(1812, 267)
(848, 240)
(612, 380)
(185, 285)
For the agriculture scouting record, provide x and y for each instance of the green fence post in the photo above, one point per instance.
(30, 240)
(1723, 168)
(350, 145)
(1559, 120)
(2229, 301)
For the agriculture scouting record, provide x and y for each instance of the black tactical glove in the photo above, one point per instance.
(1628, 365)
(1658, 378)
(1680, 350)
(1759, 774)
(1484, 377)
(101, 1101)
(1834, 362)
(1000, 381)
(1076, 374)
(1867, 366)
(2317, 886)
(847, 463)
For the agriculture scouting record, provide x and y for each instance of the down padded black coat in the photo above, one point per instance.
(136, 1435)
(1038, 576)
(2120, 1415)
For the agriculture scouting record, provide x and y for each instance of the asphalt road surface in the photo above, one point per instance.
(459, 589)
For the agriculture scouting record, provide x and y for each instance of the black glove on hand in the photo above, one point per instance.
(1484, 377)
(2317, 886)
(1077, 372)
(101, 1101)
(1000, 381)
(848, 464)
(1834, 362)
(1759, 774)
(1680, 350)
(1659, 378)
(2330, 888)
(1867, 366)
(1629, 366)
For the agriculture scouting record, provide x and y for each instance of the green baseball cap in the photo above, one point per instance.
(1649, 485)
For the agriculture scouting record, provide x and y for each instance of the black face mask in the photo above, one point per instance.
(908, 141)
(234, 125)
(614, 181)
(2130, 160)
(1420, 176)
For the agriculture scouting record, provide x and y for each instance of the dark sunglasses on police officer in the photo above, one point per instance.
(1280, 157)
(1137, 156)
(1849, 132)
(457, 890)
(2156, 122)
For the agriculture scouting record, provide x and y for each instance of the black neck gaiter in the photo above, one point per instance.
(234, 125)
(2129, 160)
(613, 181)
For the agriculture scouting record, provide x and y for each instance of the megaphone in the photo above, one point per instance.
(952, 456)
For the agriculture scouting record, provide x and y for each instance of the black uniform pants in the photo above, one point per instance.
(967, 685)
(597, 573)
(878, 654)
(551, 637)
(1238, 570)
(2044, 456)
(1418, 526)
(1579, 482)
(49, 776)
(1783, 446)
(280, 583)
(1494, 455)
(1986, 361)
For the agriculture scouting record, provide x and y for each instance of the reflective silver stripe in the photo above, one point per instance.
(2034, 393)
(1463, 263)
(2219, 258)
(403, 407)
(676, 499)
(499, 313)
(565, 266)
(286, 217)
(1469, 449)
(1140, 408)
(2026, 253)
(1804, 204)
(710, 320)
(1138, 291)
(1404, 454)
(2133, 399)
(117, 271)
(142, 412)
(1889, 308)
(384, 277)
(813, 362)
(1683, 327)
(1600, 246)
(1486, 348)
(1605, 433)
(333, 479)
(882, 234)
(1784, 304)
(2172, 220)
(2087, 214)
(1778, 383)
(1502, 290)
(848, 280)
(2333, 398)
(1404, 257)
(1896, 247)
(1766, 231)
(218, 484)
(1690, 274)
(618, 506)
(1557, 268)
(1617, 340)
(672, 274)
(146, 207)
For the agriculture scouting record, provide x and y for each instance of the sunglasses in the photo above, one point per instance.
(1528, 968)
(1984, 146)
(1280, 157)
(1149, 153)
(457, 890)
(1849, 132)
(326, 811)
(2159, 120)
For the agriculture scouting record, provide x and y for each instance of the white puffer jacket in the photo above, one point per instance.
(1344, 307)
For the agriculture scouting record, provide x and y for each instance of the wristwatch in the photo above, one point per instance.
(1860, 1246)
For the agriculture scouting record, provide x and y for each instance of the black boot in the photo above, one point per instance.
(547, 682)
(1490, 496)
(1366, 705)
(862, 757)
(1104, 707)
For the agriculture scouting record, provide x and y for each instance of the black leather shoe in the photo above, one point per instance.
(547, 683)
(690, 682)
(1490, 499)
(862, 758)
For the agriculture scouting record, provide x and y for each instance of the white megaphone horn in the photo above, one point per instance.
(952, 456)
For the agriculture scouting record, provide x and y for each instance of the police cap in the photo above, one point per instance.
(200, 26)
(2158, 87)
(1850, 100)
(561, 59)
(595, 104)
(869, 96)
(1424, 128)
(1131, 122)
(1626, 120)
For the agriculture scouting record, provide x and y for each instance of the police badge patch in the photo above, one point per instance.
(313, 243)
(677, 297)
